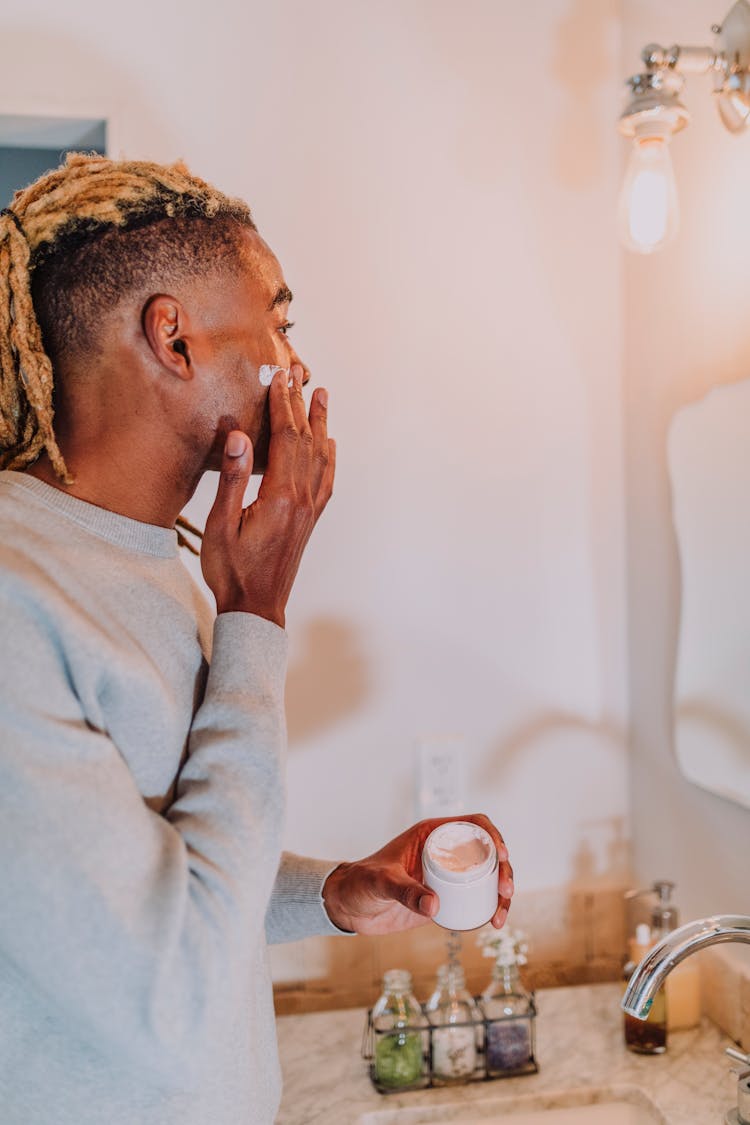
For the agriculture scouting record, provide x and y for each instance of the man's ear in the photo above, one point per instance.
(165, 326)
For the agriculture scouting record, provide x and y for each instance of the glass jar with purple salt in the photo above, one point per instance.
(508, 1011)
(507, 1007)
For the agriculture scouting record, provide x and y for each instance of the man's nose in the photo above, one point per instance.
(305, 369)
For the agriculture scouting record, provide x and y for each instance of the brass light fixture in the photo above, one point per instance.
(649, 207)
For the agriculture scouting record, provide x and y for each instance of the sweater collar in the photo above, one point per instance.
(146, 538)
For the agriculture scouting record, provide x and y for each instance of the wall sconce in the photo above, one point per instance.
(649, 208)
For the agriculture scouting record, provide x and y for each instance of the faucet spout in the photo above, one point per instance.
(675, 947)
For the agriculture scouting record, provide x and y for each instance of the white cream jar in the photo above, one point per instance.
(459, 860)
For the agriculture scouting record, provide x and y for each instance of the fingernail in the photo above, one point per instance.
(501, 917)
(323, 397)
(236, 445)
(297, 374)
(425, 905)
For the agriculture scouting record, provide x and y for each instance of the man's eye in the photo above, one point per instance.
(286, 328)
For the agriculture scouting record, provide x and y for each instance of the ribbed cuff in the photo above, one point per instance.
(248, 652)
(297, 909)
(336, 929)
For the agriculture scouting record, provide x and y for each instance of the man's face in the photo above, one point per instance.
(245, 328)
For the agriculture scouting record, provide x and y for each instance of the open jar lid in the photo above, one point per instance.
(459, 852)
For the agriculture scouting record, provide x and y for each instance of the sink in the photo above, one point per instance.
(591, 1107)
(606, 1113)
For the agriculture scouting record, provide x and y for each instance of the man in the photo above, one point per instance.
(141, 743)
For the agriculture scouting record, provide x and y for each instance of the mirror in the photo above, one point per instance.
(709, 463)
(30, 146)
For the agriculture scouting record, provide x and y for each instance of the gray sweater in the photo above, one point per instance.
(141, 804)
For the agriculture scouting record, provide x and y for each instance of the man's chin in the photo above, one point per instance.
(260, 445)
(260, 454)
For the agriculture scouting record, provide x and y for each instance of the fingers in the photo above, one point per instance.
(282, 450)
(323, 452)
(413, 895)
(485, 822)
(301, 458)
(500, 916)
(250, 556)
(504, 878)
(506, 885)
(236, 467)
(296, 398)
(319, 429)
(505, 871)
(326, 487)
(305, 438)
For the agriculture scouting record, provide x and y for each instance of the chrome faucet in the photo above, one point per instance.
(675, 947)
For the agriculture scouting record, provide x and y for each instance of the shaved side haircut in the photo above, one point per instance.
(72, 245)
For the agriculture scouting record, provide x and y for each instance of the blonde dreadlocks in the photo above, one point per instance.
(87, 207)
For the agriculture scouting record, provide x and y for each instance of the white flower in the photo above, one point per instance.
(506, 947)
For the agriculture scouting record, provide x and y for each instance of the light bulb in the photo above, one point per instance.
(733, 99)
(649, 209)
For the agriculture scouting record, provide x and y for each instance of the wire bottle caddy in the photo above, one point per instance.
(417, 1052)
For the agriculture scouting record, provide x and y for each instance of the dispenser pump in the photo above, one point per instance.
(664, 915)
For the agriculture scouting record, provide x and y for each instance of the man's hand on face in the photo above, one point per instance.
(250, 556)
(384, 893)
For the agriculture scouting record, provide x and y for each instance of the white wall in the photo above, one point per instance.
(439, 180)
(686, 331)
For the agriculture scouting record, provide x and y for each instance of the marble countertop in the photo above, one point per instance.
(581, 1056)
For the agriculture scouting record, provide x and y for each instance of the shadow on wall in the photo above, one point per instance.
(602, 856)
(328, 681)
(545, 726)
(578, 928)
(582, 63)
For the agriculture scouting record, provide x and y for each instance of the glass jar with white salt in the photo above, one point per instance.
(456, 1027)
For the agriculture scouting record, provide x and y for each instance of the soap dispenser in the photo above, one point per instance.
(682, 986)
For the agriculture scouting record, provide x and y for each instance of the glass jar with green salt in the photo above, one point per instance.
(399, 1028)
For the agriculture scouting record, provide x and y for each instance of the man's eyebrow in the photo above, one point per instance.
(283, 297)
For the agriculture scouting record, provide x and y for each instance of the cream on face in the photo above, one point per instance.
(267, 371)
(459, 846)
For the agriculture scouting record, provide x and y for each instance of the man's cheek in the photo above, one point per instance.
(267, 371)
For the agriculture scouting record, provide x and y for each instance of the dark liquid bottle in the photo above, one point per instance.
(649, 1036)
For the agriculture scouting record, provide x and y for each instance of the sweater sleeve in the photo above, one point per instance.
(297, 909)
(133, 926)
